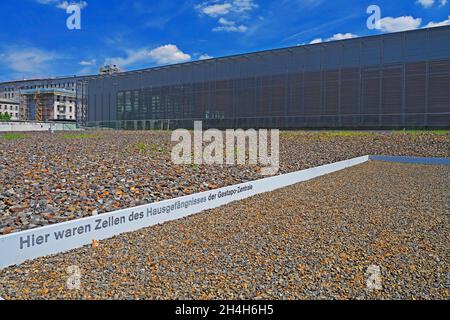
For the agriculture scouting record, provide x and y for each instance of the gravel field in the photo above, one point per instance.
(46, 179)
(314, 240)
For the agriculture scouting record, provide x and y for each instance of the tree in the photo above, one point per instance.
(5, 117)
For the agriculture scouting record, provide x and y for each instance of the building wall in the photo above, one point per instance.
(10, 107)
(64, 107)
(392, 80)
(11, 90)
(55, 104)
(14, 90)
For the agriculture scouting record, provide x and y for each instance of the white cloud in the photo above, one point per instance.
(429, 3)
(230, 12)
(342, 36)
(244, 5)
(226, 22)
(438, 24)
(337, 36)
(63, 4)
(390, 24)
(240, 28)
(318, 40)
(205, 57)
(167, 54)
(28, 61)
(426, 3)
(229, 26)
(216, 10)
(132, 58)
(92, 62)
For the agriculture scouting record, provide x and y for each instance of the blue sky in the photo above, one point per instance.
(35, 42)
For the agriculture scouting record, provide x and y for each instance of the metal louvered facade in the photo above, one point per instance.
(392, 80)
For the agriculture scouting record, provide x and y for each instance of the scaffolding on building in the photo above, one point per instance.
(40, 104)
(23, 109)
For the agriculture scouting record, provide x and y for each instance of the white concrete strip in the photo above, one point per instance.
(27, 245)
(36, 126)
(416, 160)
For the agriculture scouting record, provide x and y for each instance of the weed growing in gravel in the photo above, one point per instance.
(418, 132)
(142, 147)
(335, 134)
(14, 136)
(327, 134)
(157, 148)
(193, 166)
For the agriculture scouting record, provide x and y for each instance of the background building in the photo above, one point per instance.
(10, 107)
(108, 69)
(391, 80)
(53, 98)
(49, 104)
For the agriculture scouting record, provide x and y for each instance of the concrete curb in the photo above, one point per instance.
(26, 245)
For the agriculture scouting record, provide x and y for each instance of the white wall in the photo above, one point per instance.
(68, 115)
(34, 126)
(5, 107)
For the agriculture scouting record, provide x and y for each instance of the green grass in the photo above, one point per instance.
(333, 134)
(193, 166)
(328, 134)
(14, 136)
(78, 136)
(142, 147)
(156, 148)
(418, 132)
(343, 133)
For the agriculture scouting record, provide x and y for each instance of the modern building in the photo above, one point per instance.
(10, 107)
(391, 80)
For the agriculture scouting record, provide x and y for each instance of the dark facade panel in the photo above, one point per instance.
(392, 80)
